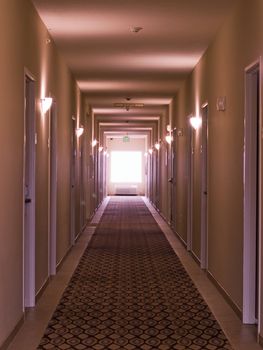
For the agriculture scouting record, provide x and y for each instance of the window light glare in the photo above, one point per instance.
(126, 167)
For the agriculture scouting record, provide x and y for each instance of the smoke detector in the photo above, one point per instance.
(135, 29)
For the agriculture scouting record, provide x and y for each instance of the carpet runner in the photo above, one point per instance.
(130, 291)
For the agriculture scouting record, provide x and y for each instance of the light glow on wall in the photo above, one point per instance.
(126, 167)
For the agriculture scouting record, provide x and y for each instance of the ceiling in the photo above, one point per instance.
(111, 63)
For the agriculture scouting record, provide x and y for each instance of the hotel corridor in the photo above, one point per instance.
(131, 291)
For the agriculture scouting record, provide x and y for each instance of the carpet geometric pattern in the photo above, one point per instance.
(130, 291)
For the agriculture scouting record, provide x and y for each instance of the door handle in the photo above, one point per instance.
(170, 180)
(205, 193)
(28, 200)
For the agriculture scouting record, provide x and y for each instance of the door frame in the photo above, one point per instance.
(73, 181)
(29, 291)
(251, 226)
(190, 166)
(52, 143)
(173, 179)
(204, 198)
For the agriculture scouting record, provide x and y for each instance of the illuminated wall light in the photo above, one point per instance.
(79, 131)
(100, 149)
(157, 146)
(150, 151)
(94, 143)
(169, 139)
(195, 122)
(45, 104)
(145, 154)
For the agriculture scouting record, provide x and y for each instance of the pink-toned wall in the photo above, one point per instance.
(23, 45)
(220, 72)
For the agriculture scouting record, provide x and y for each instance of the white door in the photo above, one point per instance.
(204, 237)
(73, 181)
(29, 193)
(53, 189)
(190, 174)
(252, 195)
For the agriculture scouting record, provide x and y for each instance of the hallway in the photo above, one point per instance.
(157, 99)
(130, 291)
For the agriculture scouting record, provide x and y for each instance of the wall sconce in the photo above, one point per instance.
(157, 146)
(45, 104)
(150, 151)
(79, 131)
(94, 143)
(146, 154)
(168, 138)
(100, 149)
(106, 154)
(195, 122)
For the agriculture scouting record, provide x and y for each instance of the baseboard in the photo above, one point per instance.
(42, 289)
(180, 238)
(9, 339)
(260, 340)
(81, 231)
(225, 295)
(60, 263)
(94, 212)
(196, 259)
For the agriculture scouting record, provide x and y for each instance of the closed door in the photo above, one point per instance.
(29, 193)
(53, 189)
(204, 237)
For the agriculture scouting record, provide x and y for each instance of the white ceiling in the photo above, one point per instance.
(111, 63)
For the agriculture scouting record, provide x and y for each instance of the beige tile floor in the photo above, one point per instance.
(241, 337)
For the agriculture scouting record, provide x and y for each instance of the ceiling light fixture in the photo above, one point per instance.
(128, 106)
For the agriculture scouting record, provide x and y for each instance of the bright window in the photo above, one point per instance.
(126, 166)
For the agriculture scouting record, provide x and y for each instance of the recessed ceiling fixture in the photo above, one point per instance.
(128, 106)
(135, 29)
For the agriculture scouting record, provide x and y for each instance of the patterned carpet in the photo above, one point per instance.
(130, 291)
